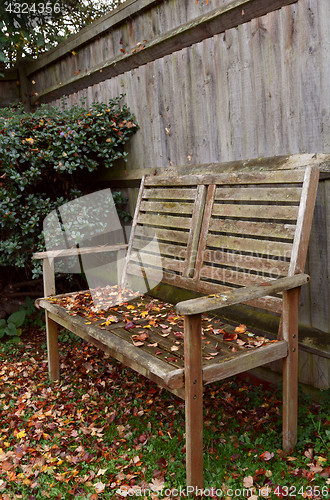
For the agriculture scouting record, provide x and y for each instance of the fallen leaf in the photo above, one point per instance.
(266, 456)
(240, 329)
(248, 482)
(99, 487)
(229, 336)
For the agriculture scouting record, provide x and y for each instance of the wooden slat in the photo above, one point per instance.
(240, 295)
(167, 207)
(260, 247)
(232, 276)
(169, 194)
(244, 361)
(304, 221)
(204, 287)
(163, 234)
(273, 304)
(166, 249)
(164, 220)
(157, 261)
(67, 252)
(284, 231)
(232, 178)
(256, 211)
(256, 194)
(204, 229)
(274, 267)
(194, 233)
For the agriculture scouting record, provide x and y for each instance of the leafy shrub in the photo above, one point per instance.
(46, 160)
(12, 326)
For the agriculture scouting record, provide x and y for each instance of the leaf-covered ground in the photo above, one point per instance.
(105, 432)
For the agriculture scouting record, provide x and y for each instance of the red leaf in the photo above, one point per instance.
(229, 336)
(129, 325)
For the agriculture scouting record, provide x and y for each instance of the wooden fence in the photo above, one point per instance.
(210, 81)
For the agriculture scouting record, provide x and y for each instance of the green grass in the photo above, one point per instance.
(103, 428)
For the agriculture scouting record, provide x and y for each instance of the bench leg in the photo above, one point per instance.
(193, 400)
(52, 349)
(290, 368)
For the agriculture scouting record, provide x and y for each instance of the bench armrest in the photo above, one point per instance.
(239, 295)
(68, 252)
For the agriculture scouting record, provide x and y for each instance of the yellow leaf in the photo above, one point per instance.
(130, 307)
(21, 434)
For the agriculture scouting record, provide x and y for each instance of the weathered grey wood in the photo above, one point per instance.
(52, 348)
(254, 211)
(274, 267)
(244, 362)
(52, 254)
(166, 207)
(259, 194)
(306, 210)
(163, 234)
(195, 228)
(275, 248)
(194, 400)
(290, 368)
(170, 194)
(163, 220)
(200, 28)
(133, 231)
(51, 326)
(240, 295)
(272, 229)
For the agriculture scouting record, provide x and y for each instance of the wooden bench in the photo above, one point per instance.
(238, 237)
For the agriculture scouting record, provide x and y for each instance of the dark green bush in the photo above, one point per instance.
(46, 159)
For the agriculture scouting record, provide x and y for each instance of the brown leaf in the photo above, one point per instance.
(240, 329)
(7, 465)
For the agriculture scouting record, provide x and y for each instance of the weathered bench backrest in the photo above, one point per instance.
(220, 231)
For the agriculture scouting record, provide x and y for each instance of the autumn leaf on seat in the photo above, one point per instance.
(240, 329)
(230, 336)
(143, 336)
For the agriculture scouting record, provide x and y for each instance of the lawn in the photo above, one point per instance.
(105, 432)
